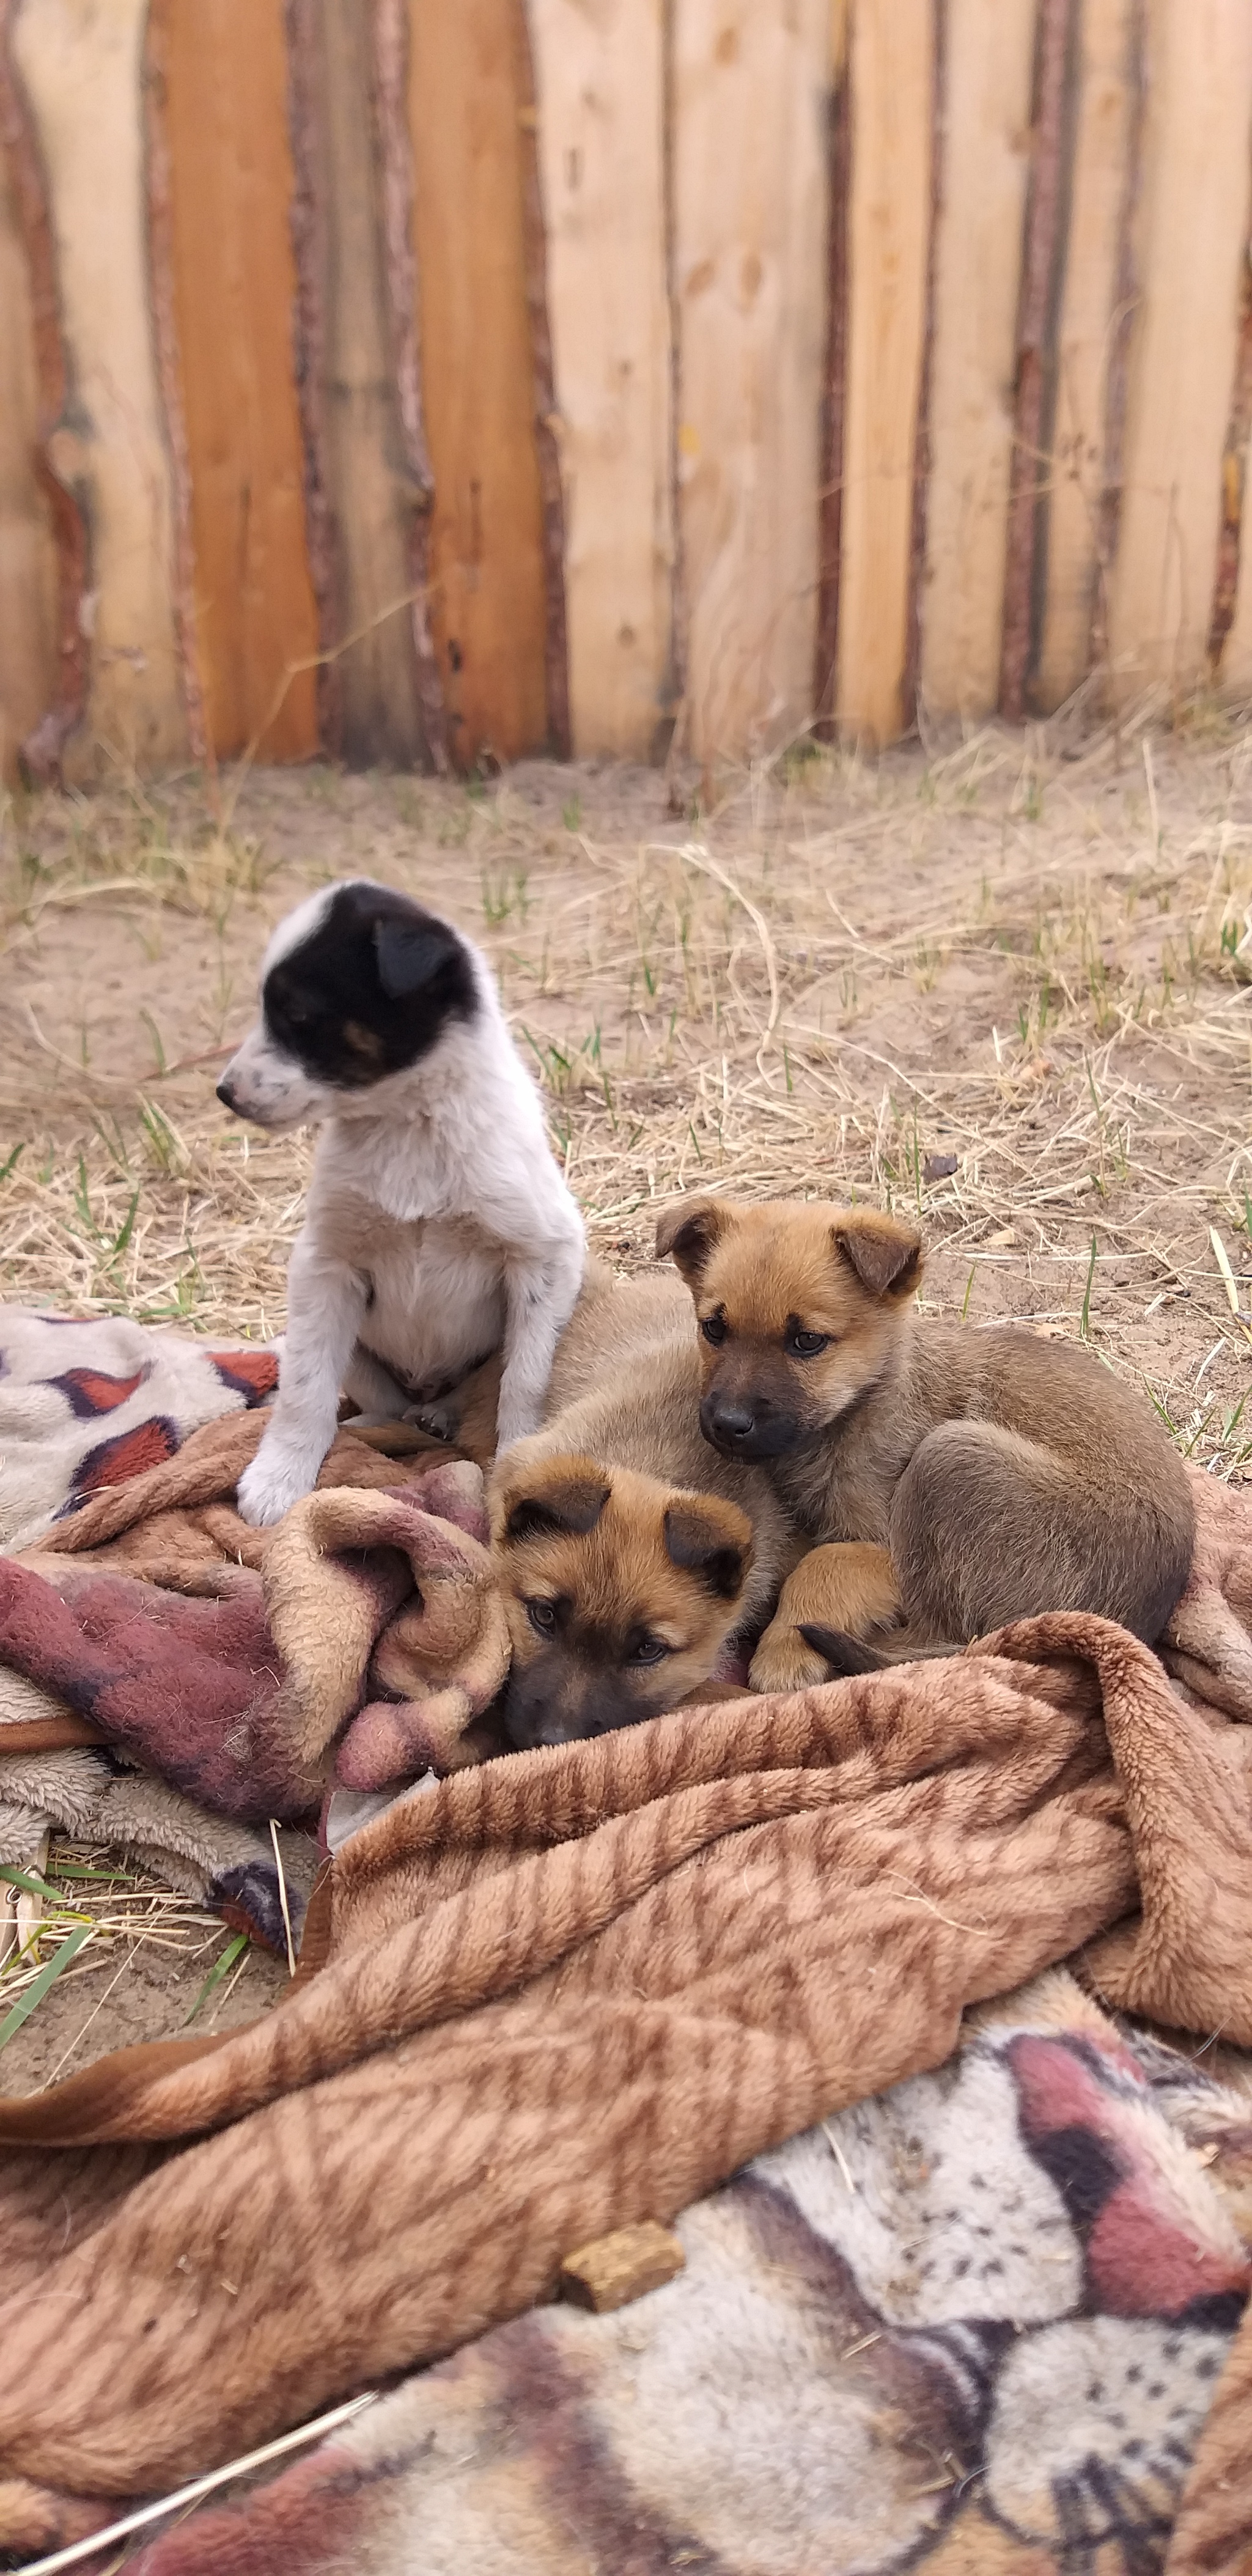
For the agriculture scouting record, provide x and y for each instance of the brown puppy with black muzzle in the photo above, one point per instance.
(631, 1557)
(954, 1478)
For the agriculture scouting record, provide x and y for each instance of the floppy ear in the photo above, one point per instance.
(411, 953)
(886, 1256)
(712, 1540)
(687, 1233)
(562, 1494)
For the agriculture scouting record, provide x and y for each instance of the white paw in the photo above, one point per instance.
(270, 1486)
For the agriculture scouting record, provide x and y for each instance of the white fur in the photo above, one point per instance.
(437, 1223)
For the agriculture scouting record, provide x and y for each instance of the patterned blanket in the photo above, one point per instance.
(87, 1405)
(972, 2327)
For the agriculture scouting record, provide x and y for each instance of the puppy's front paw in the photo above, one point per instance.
(270, 1486)
(785, 1662)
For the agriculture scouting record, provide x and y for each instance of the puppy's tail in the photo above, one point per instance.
(846, 1655)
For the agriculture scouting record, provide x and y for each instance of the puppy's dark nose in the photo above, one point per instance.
(226, 1095)
(526, 1730)
(726, 1423)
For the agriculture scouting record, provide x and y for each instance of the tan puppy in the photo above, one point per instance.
(967, 1477)
(630, 1554)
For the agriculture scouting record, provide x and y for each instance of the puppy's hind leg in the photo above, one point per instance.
(846, 1590)
(377, 1395)
(471, 1412)
(988, 1527)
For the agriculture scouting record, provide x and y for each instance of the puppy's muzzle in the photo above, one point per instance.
(560, 1700)
(226, 1094)
(536, 1711)
(748, 1427)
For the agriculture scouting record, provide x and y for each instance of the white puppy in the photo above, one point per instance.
(438, 1227)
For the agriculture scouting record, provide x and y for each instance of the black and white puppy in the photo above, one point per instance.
(438, 1227)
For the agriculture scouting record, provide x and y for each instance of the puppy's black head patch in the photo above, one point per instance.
(370, 990)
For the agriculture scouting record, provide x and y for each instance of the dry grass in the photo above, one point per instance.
(1029, 965)
(111, 1921)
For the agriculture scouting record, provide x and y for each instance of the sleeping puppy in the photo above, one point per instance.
(438, 1226)
(958, 1478)
(631, 1559)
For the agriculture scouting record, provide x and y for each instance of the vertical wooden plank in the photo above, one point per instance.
(28, 555)
(990, 50)
(547, 422)
(599, 89)
(161, 300)
(1096, 315)
(395, 153)
(234, 287)
(920, 517)
(1185, 351)
(81, 62)
(1045, 246)
(750, 239)
(486, 533)
(834, 372)
(368, 484)
(889, 236)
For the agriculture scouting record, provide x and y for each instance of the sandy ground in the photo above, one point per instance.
(1005, 984)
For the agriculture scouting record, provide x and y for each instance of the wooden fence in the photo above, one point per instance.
(429, 380)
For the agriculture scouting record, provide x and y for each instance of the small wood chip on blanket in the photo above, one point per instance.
(616, 2269)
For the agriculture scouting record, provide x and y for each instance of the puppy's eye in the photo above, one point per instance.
(805, 1346)
(650, 1650)
(713, 1328)
(542, 1617)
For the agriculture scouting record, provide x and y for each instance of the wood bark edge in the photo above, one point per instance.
(42, 751)
(834, 396)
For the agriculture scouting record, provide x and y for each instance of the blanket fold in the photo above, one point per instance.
(122, 1445)
(568, 1991)
(366, 1642)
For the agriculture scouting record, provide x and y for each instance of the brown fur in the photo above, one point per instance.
(620, 1529)
(1004, 1475)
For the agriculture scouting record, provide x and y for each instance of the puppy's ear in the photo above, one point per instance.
(886, 1256)
(687, 1233)
(411, 953)
(712, 1540)
(562, 1496)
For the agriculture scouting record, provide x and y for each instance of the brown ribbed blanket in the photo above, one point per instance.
(565, 1991)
